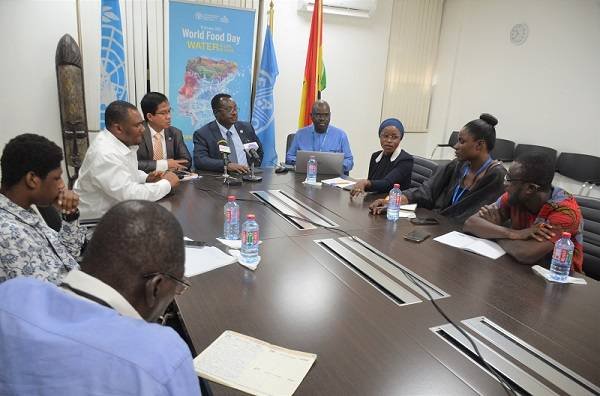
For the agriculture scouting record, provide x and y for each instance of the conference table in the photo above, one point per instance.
(351, 301)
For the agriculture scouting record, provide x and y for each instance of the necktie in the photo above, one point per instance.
(233, 156)
(157, 147)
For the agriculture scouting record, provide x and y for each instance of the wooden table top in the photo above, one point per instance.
(301, 297)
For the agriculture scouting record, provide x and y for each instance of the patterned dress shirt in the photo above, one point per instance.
(29, 247)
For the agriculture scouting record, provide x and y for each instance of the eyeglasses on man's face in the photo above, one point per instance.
(182, 284)
(229, 110)
(509, 179)
(163, 113)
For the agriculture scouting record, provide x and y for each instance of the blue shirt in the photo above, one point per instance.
(237, 142)
(333, 140)
(56, 343)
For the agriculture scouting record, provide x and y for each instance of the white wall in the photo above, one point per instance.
(355, 55)
(545, 92)
(29, 33)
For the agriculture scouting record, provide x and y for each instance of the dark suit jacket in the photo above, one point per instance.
(206, 151)
(176, 148)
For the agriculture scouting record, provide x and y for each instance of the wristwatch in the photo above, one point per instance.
(70, 217)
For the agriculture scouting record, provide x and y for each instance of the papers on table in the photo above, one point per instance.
(472, 244)
(252, 365)
(199, 260)
(191, 176)
(340, 183)
(545, 273)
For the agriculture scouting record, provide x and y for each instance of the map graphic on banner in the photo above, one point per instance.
(210, 52)
(113, 83)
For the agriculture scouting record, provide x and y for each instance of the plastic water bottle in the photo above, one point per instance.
(250, 239)
(562, 258)
(231, 226)
(393, 208)
(311, 170)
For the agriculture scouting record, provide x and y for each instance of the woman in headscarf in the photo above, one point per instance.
(472, 180)
(390, 165)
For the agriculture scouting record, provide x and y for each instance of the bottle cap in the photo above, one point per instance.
(566, 235)
(231, 198)
(396, 185)
(251, 217)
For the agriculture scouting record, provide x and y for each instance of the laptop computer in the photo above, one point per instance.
(328, 163)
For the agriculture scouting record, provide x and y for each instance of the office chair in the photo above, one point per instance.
(422, 171)
(524, 148)
(590, 210)
(581, 167)
(504, 150)
(452, 140)
(288, 142)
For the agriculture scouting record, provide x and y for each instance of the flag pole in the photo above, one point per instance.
(271, 12)
(256, 52)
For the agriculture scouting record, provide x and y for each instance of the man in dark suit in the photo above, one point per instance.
(162, 147)
(226, 128)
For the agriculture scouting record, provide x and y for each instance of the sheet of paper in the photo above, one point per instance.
(486, 248)
(199, 260)
(409, 207)
(404, 214)
(191, 176)
(455, 239)
(339, 182)
(472, 244)
(252, 365)
(545, 273)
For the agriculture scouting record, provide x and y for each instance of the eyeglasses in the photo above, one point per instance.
(229, 110)
(389, 137)
(321, 115)
(509, 179)
(163, 113)
(182, 285)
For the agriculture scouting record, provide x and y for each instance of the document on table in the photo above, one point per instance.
(472, 244)
(252, 365)
(339, 182)
(201, 259)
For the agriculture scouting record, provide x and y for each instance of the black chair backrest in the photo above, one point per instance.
(580, 167)
(288, 142)
(527, 148)
(453, 139)
(504, 150)
(590, 210)
(422, 170)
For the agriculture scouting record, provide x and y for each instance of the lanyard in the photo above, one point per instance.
(458, 190)
(322, 141)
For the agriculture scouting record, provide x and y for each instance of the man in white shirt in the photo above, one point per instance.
(109, 173)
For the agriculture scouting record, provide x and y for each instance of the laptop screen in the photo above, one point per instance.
(328, 163)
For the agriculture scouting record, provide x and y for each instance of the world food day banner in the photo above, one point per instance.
(210, 51)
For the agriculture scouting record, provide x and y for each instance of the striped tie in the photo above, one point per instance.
(157, 147)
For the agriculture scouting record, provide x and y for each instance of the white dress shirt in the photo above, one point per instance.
(161, 165)
(109, 174)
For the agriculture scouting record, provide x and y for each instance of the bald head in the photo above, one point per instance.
(321, 115)
(133, 239)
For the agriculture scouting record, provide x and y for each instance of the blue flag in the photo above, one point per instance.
(263, 119)
(113, 75)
